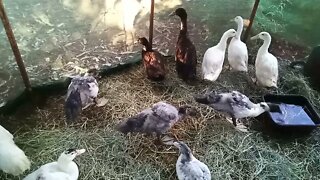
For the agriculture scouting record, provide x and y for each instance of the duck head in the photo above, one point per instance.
(70, 154)
(184, 150)
(186, 110)
(270, 107)
(231, 33)
(143, 41)
(263, 35)
(92, 72)
(237, 19)
(181, 12)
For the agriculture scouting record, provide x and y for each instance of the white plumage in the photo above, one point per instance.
(12, 159)
(188, 167)
(63, 169)
(266, 64)
(213, 58)
(237, 50)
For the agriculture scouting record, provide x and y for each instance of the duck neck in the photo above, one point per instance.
(223, 42)
(183, 28)
(239, 30)
(63, 162)
(148, 46)
(265, 46)
(186, 157)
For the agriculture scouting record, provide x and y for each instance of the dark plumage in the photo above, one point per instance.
(153, 61)
(186, 55)
(158, 119)
(73, 105)
(82, 92)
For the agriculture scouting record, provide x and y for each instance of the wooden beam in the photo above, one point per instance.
(252, 16)
(14, 46)
(151, 22)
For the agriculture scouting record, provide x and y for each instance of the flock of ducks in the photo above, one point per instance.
(160, 117)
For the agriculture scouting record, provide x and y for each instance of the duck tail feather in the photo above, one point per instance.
(73, 106)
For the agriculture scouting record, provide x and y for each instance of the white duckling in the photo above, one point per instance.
(214, 57)
(236, 105)
(237, 50)
(158, 119)
(266, 64)
(188, 167)
(12, 159)
(63, 169)
(82, 92)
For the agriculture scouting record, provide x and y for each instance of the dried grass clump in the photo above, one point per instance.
(228, 153)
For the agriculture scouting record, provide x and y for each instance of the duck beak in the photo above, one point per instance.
(172, 14)
(255, 37)
(202, 99)
(80, 151)
(232, 20)
(274, 107)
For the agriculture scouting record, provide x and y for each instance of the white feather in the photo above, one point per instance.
(237, 50)
(266, 64)
(12, 159)
(63, 169)
(213, 58)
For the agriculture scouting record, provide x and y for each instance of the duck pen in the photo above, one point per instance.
(39, 125)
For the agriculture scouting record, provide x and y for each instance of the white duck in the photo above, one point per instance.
(213, 58)
(188, 167)
(237, 50)
(63, 169)
(12, 159)
(236, 105)
(158, 119)
(82, 92)
(266, 64)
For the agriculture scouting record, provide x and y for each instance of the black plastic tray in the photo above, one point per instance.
(296, 100)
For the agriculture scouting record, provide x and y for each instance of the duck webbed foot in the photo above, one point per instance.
(232, 120)
(241, 127)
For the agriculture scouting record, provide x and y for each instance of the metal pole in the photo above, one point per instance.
(151, 22)
(253, 14)
(14, 46)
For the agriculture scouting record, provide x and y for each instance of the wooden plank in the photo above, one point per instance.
(252, 16)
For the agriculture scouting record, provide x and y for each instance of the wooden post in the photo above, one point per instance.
(151, 22)
(253, 14)
(14, 46)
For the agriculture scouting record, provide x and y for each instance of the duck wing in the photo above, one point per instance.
(136, 123)
(242, 100)
(166, 112)
(186, 57)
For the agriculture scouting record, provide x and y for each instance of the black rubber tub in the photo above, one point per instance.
(273, 125)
